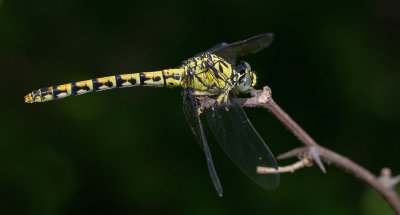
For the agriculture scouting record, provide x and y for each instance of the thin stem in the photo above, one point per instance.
(264, 100)
(305, 162)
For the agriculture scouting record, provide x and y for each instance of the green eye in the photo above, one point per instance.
(244, 83)
(247, 66)
(243, 67)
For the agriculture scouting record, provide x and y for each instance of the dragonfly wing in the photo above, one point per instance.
(190, 110)
(213, 49)
(244, 47)
(241, 142)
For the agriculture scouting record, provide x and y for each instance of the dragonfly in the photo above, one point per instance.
(214, 74)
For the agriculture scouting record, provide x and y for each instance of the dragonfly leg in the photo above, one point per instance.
(221, 100)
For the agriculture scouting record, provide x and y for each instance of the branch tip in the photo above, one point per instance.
(386, 178)
(296, 152)
(305, 162)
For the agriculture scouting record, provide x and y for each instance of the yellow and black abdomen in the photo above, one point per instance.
(168, 77)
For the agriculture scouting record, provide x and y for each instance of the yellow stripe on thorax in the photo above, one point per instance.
(211, 74)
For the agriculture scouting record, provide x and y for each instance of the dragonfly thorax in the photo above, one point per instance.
(208, 74)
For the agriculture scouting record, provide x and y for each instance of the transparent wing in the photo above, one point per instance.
(192, 116)
(243, 145)
(214, 48)
(252, 45)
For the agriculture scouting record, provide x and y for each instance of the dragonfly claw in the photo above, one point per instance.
(215, 106)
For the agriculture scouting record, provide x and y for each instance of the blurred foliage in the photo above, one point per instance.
(333, 67)
(373, 203)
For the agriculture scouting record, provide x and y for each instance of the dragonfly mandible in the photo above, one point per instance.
(213, 73)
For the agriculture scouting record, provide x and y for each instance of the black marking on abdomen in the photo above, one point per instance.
(109, 84)
(119, 81)
(44, 92)
(173, 75)
(165, 79)
(97, 84)
(142, 78)
(75, 89)
(35, 94)
(56, 91)
(157, 78)
(177, 77)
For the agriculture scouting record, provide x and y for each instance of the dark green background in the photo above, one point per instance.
(334, 67)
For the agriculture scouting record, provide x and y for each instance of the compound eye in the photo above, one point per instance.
(247, 66)
(243, 67)
(245, 83)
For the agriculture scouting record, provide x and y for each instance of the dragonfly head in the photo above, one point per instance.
(247, 78)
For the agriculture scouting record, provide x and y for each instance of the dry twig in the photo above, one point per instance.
(383, 185)
(304, 162)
